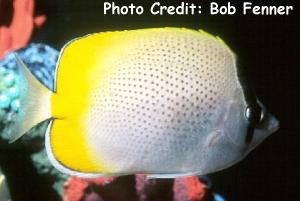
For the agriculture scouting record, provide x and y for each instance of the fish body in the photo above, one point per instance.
(163, 101)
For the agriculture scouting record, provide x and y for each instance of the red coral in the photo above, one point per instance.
(190, 189)
(76, 188)
(109, 189)
(18, 33)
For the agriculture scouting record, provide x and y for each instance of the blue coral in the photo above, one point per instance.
(8, 89)
(41, 60)
(218, 197)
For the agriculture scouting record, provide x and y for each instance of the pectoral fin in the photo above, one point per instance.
(171, 175)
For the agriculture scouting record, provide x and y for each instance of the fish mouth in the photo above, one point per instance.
(273, 124)
(274, 129)
(270, 124)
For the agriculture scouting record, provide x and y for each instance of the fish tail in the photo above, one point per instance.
(35, 102)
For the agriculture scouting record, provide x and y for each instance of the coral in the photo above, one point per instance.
(9, 99)
(41, 60)
(153, 189)
(179, 189)
(76, 188)
(23, 21)
(190, 189)
(44, 167)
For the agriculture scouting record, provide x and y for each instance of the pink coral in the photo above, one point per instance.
(75, 188)
(110, 189)
(18, 33)
(190, 189)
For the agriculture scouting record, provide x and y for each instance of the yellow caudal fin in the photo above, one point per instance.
(35, 104)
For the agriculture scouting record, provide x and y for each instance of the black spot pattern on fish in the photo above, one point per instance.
(163, 98)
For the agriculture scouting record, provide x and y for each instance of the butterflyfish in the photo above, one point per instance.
(167, 102)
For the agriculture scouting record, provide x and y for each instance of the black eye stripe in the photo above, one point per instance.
(253, 109)
(250, 134)
(253, 115)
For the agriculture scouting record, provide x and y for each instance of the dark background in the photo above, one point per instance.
(267, 48)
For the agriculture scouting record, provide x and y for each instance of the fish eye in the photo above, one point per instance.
(254, 114)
